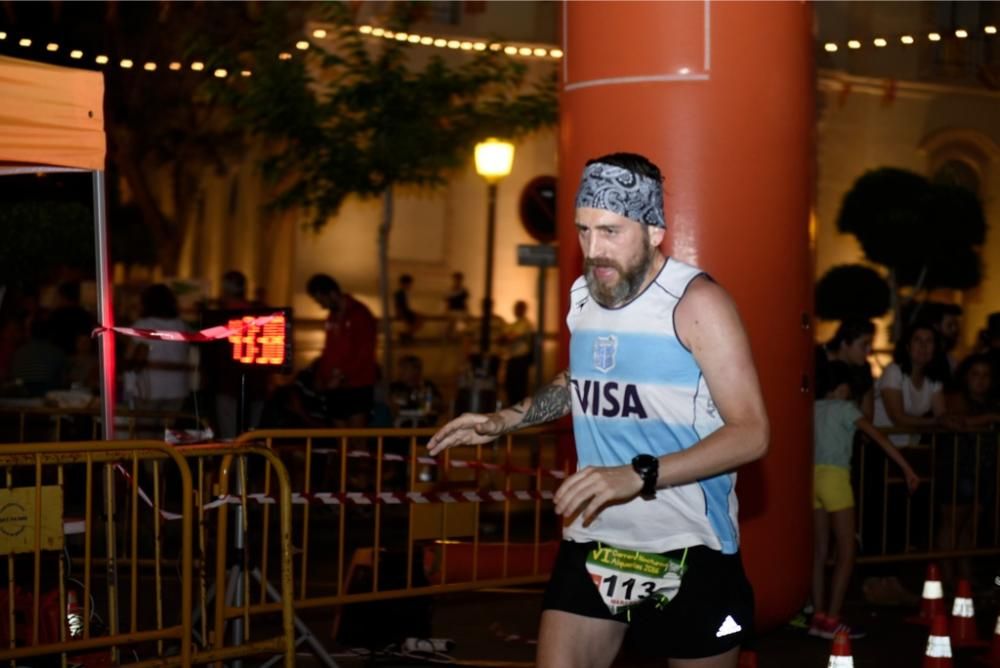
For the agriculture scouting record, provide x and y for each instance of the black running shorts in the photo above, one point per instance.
(711, 613)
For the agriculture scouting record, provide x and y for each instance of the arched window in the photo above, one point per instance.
(958, 172)
(960, 157)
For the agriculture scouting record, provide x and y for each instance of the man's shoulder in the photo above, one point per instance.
(358, 309)
(702, 292)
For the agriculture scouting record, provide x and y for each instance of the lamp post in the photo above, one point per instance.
(494, 159)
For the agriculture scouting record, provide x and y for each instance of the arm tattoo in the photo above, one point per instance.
(551, 402)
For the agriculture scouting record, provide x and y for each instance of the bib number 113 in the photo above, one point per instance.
(611, 583)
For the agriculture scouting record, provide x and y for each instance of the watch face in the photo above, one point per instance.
(645, 464)
(648, 468)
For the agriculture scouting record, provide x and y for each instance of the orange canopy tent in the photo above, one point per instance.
(53, 120)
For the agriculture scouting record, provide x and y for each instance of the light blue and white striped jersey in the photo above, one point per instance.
(638, 390)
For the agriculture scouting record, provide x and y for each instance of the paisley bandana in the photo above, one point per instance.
(620, 191)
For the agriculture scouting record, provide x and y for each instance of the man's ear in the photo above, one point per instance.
(656, 235)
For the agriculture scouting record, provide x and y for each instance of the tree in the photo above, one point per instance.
(850, 291)
(38, 237)
(367, 116)
(926, 235)
(160, 124)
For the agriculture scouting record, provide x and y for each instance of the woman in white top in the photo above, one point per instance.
(909, 394)
(161, 369)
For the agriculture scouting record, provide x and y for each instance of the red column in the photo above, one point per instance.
(720, 96)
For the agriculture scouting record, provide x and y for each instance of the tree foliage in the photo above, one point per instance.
(38, 237)
(363, 115)
(360, 116)
(160, 124)
(851, 291)
(925, 234)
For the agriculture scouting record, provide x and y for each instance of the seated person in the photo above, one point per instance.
(416, 401)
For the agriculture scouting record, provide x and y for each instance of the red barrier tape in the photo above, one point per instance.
(210, 334)
(359, 498)
(454, 463)
(388, 498)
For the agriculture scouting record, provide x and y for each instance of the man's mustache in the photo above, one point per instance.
(597, 263)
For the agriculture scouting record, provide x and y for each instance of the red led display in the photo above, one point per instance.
(260, 345)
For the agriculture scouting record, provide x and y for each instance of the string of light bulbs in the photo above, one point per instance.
(907, 39)
(509, 49)
(476, 45)
(523, 50)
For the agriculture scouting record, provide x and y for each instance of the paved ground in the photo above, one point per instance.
(498, 628)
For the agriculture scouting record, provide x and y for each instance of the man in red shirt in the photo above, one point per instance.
(345, 371)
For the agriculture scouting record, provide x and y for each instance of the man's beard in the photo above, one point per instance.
(629, 281)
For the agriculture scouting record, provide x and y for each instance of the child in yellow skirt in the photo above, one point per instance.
(836, 418)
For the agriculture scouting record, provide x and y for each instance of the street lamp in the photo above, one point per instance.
(494, 158)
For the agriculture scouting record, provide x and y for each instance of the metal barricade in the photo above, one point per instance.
(19, 424)
(234, 569)
(954, 513)
(469, 519)
(36, 477)
(146, 527)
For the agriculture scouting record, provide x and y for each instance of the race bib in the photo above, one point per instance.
(626, 577)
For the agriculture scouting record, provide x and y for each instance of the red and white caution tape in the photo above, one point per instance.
(358, 498)
(453, 463)
(388, 498)
(145, 497)
(210, 334)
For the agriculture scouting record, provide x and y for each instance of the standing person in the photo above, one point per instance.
(989, 340)
(964, 479)
(69, 321)
(910, 395)
(346, 368)
(836, 418)
(666, 405)
(852, 344)
(404, 312)
(948, 324)
(160, 378)
(456, 305)
(520, 339)
(224, 380)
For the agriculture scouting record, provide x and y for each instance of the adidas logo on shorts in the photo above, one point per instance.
(728, 628)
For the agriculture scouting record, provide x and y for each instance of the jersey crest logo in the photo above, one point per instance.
(605, 350)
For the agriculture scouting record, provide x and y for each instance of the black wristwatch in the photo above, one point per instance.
(648, 468)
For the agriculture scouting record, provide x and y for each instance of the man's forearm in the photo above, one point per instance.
(550, 403)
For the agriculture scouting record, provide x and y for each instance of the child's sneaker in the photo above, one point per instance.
(824, 626)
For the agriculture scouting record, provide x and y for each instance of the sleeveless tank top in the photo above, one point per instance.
(636, 389)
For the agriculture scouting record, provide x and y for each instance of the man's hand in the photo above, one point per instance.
(592, 488)
(467, 429)
(912, 479)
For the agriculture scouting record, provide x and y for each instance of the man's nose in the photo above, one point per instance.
(592, 245)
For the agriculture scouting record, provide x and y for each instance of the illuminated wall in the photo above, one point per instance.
(435, 233)
(863, 125)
